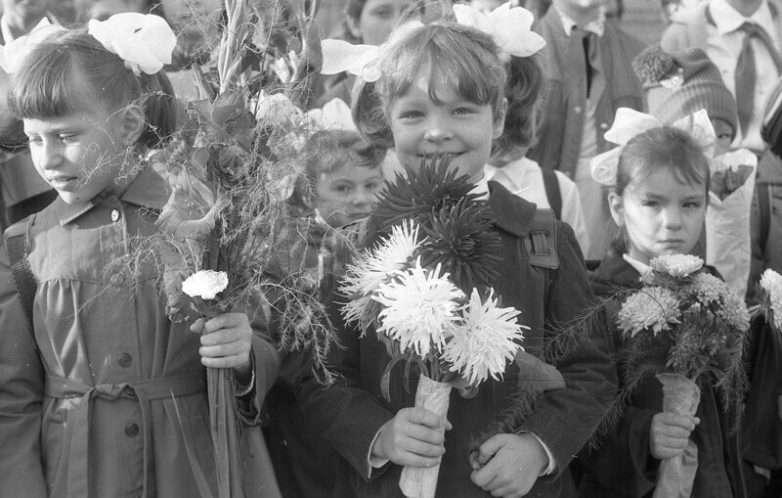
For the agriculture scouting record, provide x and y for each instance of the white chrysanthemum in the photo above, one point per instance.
(677, 265)
(376, 267)
(487, 339)
(205, 284)
(652, 308)
(419, 309)
(771, 282)
(709, 289)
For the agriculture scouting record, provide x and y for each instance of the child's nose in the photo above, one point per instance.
(673, 218)
(362, 197)
(50, 156)
(437, 131)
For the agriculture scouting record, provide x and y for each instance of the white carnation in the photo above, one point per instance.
(205, 284)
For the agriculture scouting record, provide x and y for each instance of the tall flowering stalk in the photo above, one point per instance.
(230, 172)
(683, 324)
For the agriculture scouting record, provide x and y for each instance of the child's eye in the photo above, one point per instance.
(463, 110)
(650, 203)
(383, 13)
(692, 205)
(410, 114)
(343, 189)
(68, 138)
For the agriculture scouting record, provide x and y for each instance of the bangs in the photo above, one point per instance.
(446, 58)
(48, 87)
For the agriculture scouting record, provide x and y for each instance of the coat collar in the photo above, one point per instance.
(510, 212)
(148, 190)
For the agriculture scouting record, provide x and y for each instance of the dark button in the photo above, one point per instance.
(125, 360)
(132, 429)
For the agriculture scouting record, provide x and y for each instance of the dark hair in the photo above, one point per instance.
(454, 56)
(71, 68)
(523, 90)
(326, 150)
(660, 148)
(663, 148)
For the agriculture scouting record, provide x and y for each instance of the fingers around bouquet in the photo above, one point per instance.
(511, 464)
(226, 340)
(414, 437)
(669, 434)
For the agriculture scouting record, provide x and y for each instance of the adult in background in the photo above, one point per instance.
(742, 38)
(588, 64)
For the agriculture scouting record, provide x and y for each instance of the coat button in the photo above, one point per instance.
(132, 429)
(115, 215)
(603, 126)
(577, 109)
(125, 360)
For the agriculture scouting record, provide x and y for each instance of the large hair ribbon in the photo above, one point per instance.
(630, 123)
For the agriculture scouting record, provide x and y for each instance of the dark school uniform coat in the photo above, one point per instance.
(622, 467)
(352, 411)
(107, 396)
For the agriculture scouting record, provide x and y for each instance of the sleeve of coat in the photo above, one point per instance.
(265, 360)
(345, 413)
(21, 393)
(590, 377)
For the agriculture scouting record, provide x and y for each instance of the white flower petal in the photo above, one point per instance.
(205, 284)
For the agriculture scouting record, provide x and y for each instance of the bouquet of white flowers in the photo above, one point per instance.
(411, 288)
(682, 324)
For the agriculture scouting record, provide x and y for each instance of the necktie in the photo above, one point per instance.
(580, 50)
(746, 71)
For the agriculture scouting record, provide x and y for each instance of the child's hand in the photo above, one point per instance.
(226, 341)
(414, 437)
(512, 464)
(669, 434)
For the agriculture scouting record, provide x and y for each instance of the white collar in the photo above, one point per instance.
(8, 37)
(641, 267)
(727, 19)
(596, 26)
(481, 188)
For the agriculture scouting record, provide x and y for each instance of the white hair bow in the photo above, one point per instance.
(144, 41)
(361, 60)
(630, 123)
(13, 54)
(510, 28)
(334, 115)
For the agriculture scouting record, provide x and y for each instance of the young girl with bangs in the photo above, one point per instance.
(441, 92)
(658, 200)
(100, 393)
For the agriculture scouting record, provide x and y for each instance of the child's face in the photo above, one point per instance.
(378, 18)
(660, 215)
(346, 194)
(454, 126)
(724, 133)
(80, 155)
(25, 9)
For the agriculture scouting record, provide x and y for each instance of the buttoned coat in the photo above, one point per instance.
(106, 397)
(351, 411)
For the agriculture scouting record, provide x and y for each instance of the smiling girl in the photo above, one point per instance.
(441, 92)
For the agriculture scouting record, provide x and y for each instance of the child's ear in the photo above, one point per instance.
(132, 124)
(499, 119)
(353, 27)
(617, 208)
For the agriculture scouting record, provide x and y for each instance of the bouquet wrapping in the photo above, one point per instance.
(727, 217)
(675, 476)
(421, 482)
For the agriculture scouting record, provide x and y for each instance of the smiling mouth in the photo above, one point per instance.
(433, 155)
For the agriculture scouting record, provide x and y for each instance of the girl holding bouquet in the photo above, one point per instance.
(659, 180)
(439, 92)
(101, 394)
